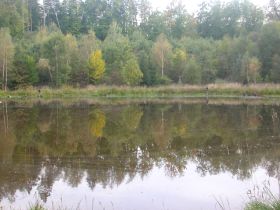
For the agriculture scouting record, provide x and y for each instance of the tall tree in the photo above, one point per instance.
(179, 22)
(192, 75)
(71, 16)
(51, 12)
(117, 52)
(155, 25)
(10, 17)
(275, 70)
(54, 51)
(6, 55)
(131, 73)
(97, 16)
(179, 65)
(145, 10)
(254, 69)
(25, 69)
(34, 14)
(87, 44)
(143, 50)
(252, 17)
(274, 10)
(96, 65)
(269, 45)
(162, 50)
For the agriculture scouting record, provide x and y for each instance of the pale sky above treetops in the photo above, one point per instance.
(193, 5)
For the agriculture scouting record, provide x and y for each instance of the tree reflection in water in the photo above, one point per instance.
(42, 143)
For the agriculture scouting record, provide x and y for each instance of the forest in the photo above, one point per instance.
(127, 42)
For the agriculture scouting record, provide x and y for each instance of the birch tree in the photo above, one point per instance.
(6, 55)
(161, 52)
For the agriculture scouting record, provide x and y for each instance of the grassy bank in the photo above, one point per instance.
(252, 206)
(263, 206)
(214, 90)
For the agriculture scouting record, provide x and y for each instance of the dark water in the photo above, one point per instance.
(137, 156)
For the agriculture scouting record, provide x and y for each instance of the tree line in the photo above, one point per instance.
(126, 42)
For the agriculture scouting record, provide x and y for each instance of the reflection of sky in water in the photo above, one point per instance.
(154, 191)
(135, 156)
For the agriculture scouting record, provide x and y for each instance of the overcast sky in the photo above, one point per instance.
(192, 5)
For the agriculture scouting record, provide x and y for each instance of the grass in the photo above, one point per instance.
(257, 205)
(226, 90)
(263, 198)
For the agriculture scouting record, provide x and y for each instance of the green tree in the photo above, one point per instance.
(86, 45)
(97, 17)
(155, 25)
(54, 51)
(117, 52)
(143, 50)
(51, 12)
(205, 53)
(250, 68)
(11, 18)
(252, 16)
(179, 22)
(275, 70)
(72, 57)
(71, 12)
(254, 69)
(192, 75)
(34, 14)
(179, 65)
(25, 69)
(269, 45)
(131, 73)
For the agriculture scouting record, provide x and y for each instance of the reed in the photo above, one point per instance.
(226, 90)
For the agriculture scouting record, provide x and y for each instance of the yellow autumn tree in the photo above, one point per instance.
(96, 66)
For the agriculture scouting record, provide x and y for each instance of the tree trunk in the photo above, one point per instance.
(30, 16)
(56, 66)
(4, 69)
(56, 17)
(44, 16)
(22, 11)
(247, 73)
(3, 73)
(6, 76)
(162, 64)
(50, 73)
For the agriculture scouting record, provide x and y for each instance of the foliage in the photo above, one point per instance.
(97, 123)
(51, 42)
(179, 65)
(259, 206)
(131, 73)
(6, 55)
(96, 66)
(192, 75)
(162, 50)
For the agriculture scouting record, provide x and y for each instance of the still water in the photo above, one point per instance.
(144, 155)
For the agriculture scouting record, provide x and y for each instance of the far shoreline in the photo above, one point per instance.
(211, 91)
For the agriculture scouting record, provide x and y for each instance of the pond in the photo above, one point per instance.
(128, 155)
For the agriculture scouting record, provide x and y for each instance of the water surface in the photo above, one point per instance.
(140, 155)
